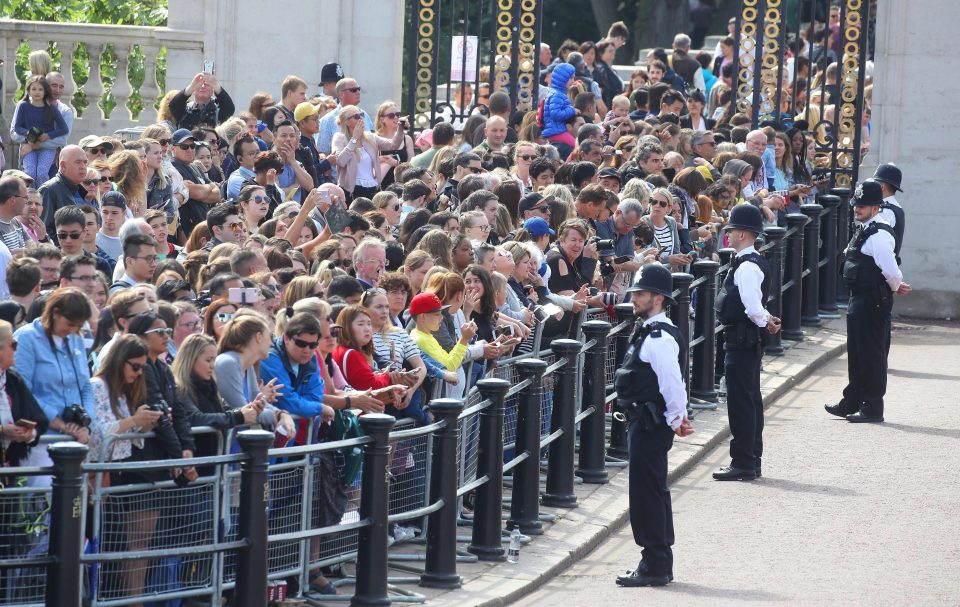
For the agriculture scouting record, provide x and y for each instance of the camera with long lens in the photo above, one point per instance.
(163, 408)
(77, 415)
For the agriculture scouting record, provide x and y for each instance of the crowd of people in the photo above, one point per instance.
(304, 257)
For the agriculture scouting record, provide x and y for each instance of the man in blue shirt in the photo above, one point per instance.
(245, 150)
(348, 93)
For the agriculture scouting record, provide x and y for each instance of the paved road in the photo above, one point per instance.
(845, 514)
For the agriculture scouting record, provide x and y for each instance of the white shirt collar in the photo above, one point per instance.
(661, 317)
(747, 251)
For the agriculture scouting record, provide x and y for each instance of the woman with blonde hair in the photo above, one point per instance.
(387, 125)
(524, 153)
(300, 288)
(129, 178)
(358, 167)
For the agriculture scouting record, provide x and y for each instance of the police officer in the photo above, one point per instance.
(650, 389)
(740, 307)
(889, 176)
(871, 274)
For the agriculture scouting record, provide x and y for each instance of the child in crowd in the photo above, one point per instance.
(37, 120)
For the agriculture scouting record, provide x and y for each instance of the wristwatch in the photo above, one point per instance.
(353, 140)
(347, 402)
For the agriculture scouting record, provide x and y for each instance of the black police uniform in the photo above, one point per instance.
(743, 346)
(868, 325)
(651, 511)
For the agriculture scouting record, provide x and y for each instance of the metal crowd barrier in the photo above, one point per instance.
(259, 516)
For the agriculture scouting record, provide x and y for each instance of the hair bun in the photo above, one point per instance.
(289, 312)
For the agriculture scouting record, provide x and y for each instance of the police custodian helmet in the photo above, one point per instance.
(868, 194)
(655, 278)
(890, 174)
(745, 217)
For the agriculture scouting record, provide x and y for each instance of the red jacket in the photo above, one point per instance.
(356, 369)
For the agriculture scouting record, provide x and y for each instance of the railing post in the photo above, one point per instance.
(828, 251)
(64, 575)
(592, 462)
(254, 498)
(843, 235)
(371, 588)
(440, 569)
(559, 491)
(525, 499)
(487, 524)
(705, 329)
(774, 257)
(680, 315)
(619, 445)
(719, 368)
(809, 309)
(793, 275)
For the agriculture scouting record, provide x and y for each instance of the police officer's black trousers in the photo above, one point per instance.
(868, 342)
(744, 406)
(651, 512)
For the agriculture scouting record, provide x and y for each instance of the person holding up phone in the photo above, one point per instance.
(359, 172)
(202, 102)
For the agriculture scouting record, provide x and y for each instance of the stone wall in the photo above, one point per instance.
(915, 126)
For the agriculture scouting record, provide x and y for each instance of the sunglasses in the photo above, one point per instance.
(13, 345)
(396, 207)
(544, 209)
(187, 146)
(527, 157)
(135, 367)
(160, 330)
(164, 141)
(106, 178)
(356, 116)
(91, 182)
(224, 317)
(98, 150)
(661, 203)
(391, 115)
(310, 345)
(70, 235)
(263, 199)
(355, 89)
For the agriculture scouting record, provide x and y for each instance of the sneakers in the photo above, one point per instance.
(404, 534)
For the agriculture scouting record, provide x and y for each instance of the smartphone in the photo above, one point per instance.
(26, 423)
(324, 195)
(243, 295)
(337, 217)
(505, 330)
(209, 66)
(622, 259)
(593, 291)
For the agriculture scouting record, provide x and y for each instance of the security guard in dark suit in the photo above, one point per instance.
(651, 391)
(871, 274)
(889, 177)
(740, 307)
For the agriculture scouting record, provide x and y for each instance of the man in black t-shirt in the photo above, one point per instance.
(203, 193)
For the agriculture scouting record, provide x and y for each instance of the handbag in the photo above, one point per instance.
(345, 427)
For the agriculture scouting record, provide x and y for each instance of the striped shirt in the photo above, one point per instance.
(13, 235)
(664, 237)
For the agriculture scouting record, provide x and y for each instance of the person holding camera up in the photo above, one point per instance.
(651, 391)
(740, 309)
(871, 273)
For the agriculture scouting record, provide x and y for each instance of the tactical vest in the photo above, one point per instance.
(730, 309)
(861, 274)
(897, 229)
(636, 382)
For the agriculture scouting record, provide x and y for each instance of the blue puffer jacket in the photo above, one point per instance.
(558, 108)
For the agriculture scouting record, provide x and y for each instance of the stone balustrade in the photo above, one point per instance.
(182, 47)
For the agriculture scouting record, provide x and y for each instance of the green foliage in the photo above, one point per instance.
(108, 12)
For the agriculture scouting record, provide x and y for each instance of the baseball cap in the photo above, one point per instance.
(304, 110)
(330, 72)
(538, 226)
(532, 200)
(113, 199)
(424, 303)
(610, 173)
(93, 141)
(18, 174)
(181, 135)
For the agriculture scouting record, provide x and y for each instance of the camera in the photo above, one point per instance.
(203, 299)
(76, 414)
(606, 268)
(163, 408)
(603, 243)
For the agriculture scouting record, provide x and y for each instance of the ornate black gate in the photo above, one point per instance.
(834, 112)
(500, 42)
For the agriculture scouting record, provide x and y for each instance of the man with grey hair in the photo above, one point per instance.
(137, 225)
(370, 261)
(63, 189)
(704, 148)
(348, 93)
(546, 56)
(684, 65)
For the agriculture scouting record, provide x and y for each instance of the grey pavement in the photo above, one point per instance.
(603, 509)
(846, 514)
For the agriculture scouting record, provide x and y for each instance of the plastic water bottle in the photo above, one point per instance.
(513, 552)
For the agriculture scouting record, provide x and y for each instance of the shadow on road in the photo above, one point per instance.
(739, 594)
(947, 432)
(921, 375)
(797, 487)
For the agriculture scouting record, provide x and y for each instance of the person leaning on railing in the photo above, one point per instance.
(22, 421)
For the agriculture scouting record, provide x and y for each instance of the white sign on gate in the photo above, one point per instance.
(463, 59)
